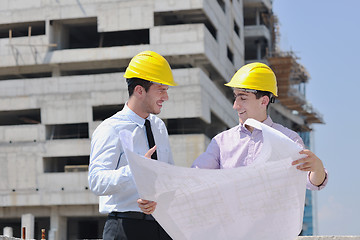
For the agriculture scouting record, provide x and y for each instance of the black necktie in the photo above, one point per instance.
(150, 138)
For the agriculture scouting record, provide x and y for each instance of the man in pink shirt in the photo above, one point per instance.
(255, 87)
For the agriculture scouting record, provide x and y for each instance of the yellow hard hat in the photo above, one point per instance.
(256, 76)
(151, 66)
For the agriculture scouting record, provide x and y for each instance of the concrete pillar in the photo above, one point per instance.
(8, 232)
(28, 221)
(258, 49)
(56, 71)
(58, 228)
(58, 34)
(257, 17)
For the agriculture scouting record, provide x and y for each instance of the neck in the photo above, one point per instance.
(136, 107)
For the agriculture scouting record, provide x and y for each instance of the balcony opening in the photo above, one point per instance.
(85, 227)
(20, 117)
(25, 76)
(230, 55)
(83, 36)
(195, 126)
(66, 164)
(41, 223)
(222, 5)
(256, 49)
(185, 17)
(88, 37)
(23, 29)
(14, 223)
(92, 71)
(67, 131)
(254, 16)
(249, 21)
(125, 38)
(100, 113)
(236, 29)
(83, 33)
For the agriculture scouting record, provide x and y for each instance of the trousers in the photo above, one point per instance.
(120, 227)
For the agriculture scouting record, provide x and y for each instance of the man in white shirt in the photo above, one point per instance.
(149, 77)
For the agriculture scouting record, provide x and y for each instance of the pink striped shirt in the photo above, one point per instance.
(239, 147)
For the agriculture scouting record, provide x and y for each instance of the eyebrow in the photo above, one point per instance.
(241, 94)
(163, 88)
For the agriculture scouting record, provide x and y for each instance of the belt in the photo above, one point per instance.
(132, 215)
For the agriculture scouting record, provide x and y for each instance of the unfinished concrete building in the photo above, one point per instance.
(61, 74)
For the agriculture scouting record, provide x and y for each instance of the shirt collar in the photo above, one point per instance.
(268, 121)
(133, 116)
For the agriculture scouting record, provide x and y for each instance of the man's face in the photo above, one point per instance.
(247, 106)
(154, 98)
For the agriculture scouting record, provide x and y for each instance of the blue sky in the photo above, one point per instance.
(325, 34)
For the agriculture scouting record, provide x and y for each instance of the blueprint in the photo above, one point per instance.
(262, 201)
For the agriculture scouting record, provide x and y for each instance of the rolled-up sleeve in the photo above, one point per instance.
(313, 187)
(298, 140)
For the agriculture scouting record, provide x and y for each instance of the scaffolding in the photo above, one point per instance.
(289, 73)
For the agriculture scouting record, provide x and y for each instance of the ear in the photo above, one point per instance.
(139, 90)
(265, 100)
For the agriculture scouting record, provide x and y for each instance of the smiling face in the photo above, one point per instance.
(247, 106)
(154, 98)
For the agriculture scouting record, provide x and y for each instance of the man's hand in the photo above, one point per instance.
(148, 207)
(150, 152)
(313, 164)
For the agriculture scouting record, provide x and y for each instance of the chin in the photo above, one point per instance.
(242, 120)
(156, 112)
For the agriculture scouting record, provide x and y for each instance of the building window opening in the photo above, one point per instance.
(256, 49)
(67, 131)
(41, 223)
(83, 36)
(83, 33)
(14, 223)
(26, 76)
(236, 29)
(181, 66)
(125, 38)
(66, 164)
(92, 71)
(88, 37)
(195, 126)
(85, 227)
(185, 17)
(22, 29)
(230, 55)
(20, 117)
(222, 5)
(100, 113)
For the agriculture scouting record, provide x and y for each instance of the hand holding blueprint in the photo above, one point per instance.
(262, 201)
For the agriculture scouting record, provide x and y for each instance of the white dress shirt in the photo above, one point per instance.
(109, 173)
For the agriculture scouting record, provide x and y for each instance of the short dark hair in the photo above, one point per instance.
(133, 82)
(260, 94)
